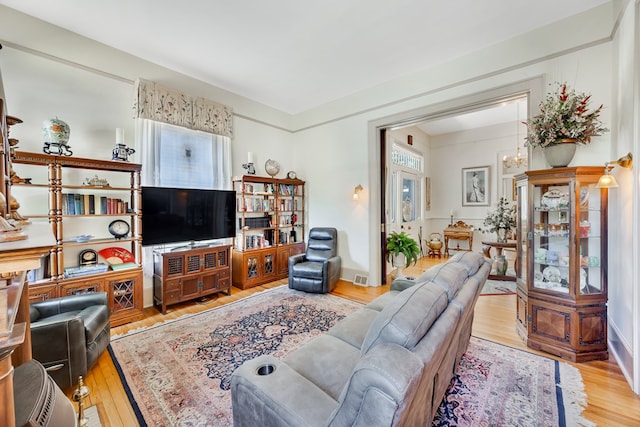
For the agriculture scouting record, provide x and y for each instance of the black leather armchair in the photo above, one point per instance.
(68, 334)
(317, 270)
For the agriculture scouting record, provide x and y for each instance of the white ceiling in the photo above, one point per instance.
(295, 55)
(494, 115)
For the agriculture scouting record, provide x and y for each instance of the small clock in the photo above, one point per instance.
(119, 228)
(291, 175)
(88, 257)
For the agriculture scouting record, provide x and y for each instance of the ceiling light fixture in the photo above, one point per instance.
(517, 161)
(609, 181)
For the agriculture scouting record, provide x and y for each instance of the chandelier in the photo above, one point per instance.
(517, 161)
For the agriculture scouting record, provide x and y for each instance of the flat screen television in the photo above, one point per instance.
(174, 215)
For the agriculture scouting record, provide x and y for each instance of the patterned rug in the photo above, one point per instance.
(498, 287)
(497, 385)
(177, 372)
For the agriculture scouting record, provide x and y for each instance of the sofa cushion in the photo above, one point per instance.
(406, 318)
(452, 274)
(326, 361)
(379, 303)
(308, 270)
(353, 328)
(450, 278)
(472, 261)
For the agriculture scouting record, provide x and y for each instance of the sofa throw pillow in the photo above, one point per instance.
(408, 317)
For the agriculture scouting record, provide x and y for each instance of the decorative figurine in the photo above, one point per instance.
(251, 170)
(96, 182)
(122, 152)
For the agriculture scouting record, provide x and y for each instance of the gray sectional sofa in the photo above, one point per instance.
(387, 364)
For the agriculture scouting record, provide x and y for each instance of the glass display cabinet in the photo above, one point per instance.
(562, 253)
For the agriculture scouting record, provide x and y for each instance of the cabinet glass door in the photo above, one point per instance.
(522, 231)
(551, 236)
(590, 236)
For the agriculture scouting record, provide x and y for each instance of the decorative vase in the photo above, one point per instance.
(56, 131)
(500, 261)
(561, 153)
(399, 261)
(502, 235)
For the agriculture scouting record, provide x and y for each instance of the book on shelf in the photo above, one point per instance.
(83, 270)
(90, 204)
(123, 266)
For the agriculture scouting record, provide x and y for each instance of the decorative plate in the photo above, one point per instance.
(552, 275)
(554, 199)
(584, 196)
(272, 167)
(115, 255)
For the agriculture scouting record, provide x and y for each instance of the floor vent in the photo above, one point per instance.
(361, 280)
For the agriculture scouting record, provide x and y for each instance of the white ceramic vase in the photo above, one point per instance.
(559, 155)
(399, 262)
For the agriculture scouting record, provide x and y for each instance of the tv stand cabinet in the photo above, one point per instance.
(187, 274)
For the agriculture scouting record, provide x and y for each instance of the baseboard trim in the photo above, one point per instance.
(621, 353)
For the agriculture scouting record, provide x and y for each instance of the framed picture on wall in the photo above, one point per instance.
(475, 186)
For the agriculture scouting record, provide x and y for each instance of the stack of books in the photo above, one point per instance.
(83, 270)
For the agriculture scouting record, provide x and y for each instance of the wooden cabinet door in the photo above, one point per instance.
(190, 287)
(269, 265)
(84, 286)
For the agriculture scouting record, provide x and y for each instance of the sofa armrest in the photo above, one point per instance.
(281, 398)
(296, 259)
(57, 342)
(380, 389)
(333, 265)
(402, 284)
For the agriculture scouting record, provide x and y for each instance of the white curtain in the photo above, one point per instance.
(157, 172)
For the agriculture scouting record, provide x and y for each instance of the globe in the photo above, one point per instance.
(272, 167)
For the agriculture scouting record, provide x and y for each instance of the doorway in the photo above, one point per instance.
(531, 90)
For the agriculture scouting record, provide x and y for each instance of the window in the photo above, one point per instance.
(179, 157)
(406, 159)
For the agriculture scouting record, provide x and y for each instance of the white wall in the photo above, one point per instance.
(452, 152)
(624, 239)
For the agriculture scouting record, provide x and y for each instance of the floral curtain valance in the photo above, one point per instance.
(162, 104)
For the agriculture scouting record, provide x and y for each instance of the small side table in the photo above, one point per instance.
(486, 250)
(458, 231)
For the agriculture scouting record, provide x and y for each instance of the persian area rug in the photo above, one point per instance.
(497, 385)
(498, 287)
(178, 372)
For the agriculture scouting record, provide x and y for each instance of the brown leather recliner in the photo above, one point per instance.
(68, 334)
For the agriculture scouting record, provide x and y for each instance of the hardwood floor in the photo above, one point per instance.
(610, 399)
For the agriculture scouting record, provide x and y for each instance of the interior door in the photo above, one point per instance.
(404, 203)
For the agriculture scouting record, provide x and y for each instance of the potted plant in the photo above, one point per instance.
(402, 251)
(563, 122)
(501, 221)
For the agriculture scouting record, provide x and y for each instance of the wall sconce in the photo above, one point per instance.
(609, 181)
(356, 192)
